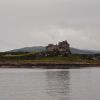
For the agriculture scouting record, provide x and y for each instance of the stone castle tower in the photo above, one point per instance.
(62, 48)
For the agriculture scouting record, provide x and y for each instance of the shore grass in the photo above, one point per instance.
(28, 59)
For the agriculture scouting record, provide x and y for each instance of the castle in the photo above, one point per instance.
(62, 48)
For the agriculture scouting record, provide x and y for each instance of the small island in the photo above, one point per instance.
(54, 56)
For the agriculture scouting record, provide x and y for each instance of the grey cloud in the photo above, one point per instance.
(39, 22)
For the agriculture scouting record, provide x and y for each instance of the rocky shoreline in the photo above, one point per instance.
(47, 65)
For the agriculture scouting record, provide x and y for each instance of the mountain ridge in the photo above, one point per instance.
(42, 48)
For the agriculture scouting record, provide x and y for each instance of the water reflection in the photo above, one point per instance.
(58, 84)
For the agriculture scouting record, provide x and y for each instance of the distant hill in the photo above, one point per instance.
(41, 48)
(79, 51)
(29, 49)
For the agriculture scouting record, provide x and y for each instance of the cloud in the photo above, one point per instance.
(39, 22)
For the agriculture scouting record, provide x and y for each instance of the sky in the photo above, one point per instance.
(26, 23)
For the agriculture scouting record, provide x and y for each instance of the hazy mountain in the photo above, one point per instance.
(41, 48)
(29, 49)
(79, 51)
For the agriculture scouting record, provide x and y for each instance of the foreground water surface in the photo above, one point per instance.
(63, 84)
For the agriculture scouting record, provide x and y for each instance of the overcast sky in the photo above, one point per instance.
(39, 22)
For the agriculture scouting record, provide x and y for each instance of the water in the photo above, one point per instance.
(35, 84)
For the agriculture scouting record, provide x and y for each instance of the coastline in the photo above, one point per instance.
(47, 65)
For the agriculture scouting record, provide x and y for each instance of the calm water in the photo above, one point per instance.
(32, 84)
